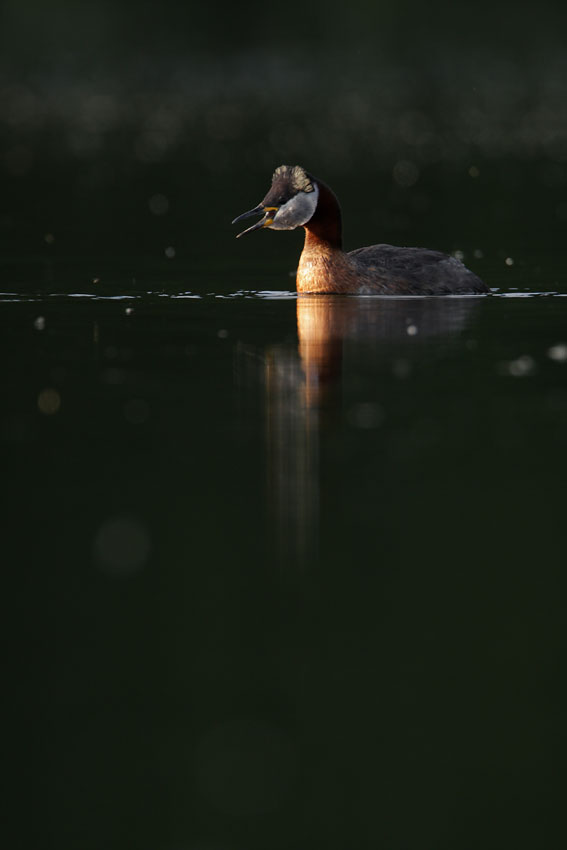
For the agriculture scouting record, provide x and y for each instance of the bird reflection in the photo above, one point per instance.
(302, 386)
(321, 325)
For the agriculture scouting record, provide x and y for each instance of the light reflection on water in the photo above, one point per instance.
(270, 295)
(400, 460)
(301, 381)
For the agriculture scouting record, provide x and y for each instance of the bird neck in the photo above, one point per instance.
(324, 228)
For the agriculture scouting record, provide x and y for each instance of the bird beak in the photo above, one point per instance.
(264, 222)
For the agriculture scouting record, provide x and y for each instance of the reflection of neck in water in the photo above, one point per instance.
(299, 388)
(324, 322)
(320, 329)
(292, 458)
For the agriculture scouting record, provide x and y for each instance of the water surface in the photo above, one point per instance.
(288, 570)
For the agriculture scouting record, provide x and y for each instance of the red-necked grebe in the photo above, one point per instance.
(296, 199)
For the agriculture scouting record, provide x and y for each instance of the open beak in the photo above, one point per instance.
(264, 222)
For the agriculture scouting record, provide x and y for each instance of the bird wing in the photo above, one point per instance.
(427, 271)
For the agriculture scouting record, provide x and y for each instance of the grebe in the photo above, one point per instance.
(296, 199)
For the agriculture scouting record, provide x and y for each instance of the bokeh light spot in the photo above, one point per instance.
(366, 415)
(558, 353)
(121, 546)
(158, 204)
(521, 367)
(49, 401)
(401, 368)
(405, 173)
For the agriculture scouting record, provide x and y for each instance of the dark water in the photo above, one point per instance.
(288, 572)
(279, 572)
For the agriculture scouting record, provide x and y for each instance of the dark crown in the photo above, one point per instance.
(295, 176)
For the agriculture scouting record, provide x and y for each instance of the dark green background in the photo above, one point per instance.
(104, 105)
(345, 626)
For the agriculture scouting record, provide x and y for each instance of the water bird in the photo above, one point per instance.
(297, 199)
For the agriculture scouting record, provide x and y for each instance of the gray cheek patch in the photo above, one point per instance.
(296, 211)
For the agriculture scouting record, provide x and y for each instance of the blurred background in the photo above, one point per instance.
(131, 127)
(289, 572)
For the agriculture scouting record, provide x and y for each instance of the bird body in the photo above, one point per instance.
(296, 199)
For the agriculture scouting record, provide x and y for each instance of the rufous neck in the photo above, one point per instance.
(325, 226)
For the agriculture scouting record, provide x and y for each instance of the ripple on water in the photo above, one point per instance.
(265, 294)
